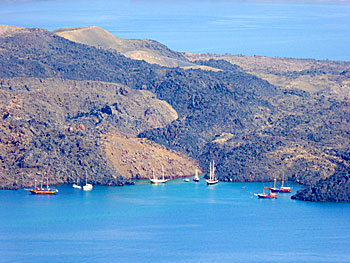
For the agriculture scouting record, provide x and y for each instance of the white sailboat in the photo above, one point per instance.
(196, 177)
(77, 186)
(87, 187)
(212, 179)
(155, 180)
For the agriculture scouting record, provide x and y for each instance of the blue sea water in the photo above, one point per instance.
(173, 222)
(301, 29)
(183, 222)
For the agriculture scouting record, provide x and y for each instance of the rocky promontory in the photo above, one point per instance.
(79, 106)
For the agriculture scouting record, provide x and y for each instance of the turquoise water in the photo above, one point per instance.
(173, 222)
(301, 29)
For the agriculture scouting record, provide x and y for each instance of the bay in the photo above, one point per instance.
(173, 222)
(300, 29)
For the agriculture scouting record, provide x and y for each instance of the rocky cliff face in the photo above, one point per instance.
(137, 158)
(55, 126)
(252, 129)
(335, 188)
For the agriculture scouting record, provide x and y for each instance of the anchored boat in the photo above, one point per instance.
(196, 177)
(282, 189)
(267, 196)
(212, 179)
(155, 180)
(41, 190)
(77, 186)
(87, 187)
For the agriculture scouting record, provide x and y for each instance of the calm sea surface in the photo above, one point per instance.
(183, 222)
(302, 29)
(174, 222)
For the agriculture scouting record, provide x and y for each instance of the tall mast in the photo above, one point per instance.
(213, 170)
(282, 178)
(210, 172)
(163, 171)
(274, 182)
(41, 182)
(35, 182)
(47, 181)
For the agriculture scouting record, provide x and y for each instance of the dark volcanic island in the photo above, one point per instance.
(81, 102)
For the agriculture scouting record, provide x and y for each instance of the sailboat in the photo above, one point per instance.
(87, 187)
(155, 180)
(212, 179)
(77, 186)
(282, 189)
(267, 196)
(42, 191)
(196, 177)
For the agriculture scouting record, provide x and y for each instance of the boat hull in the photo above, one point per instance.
(43, 192)
(87, 187)
(158, 181)
(211, 182)
(264, 196)
(280, 190)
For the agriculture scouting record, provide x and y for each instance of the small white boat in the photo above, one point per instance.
(212, 179)
(87, 187)
(186, 180)
(155, 180)
(77, 186)
(196, 177)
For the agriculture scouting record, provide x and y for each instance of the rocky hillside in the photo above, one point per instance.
(335, 188)
(60, 127)
(252, 129)
(141, 49)
(134, 158)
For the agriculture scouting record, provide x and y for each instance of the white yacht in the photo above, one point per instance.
(212, 179)
(155, 180)
(196, 177)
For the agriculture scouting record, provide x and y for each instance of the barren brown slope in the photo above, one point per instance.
(290, 73)
(138, 158)
(6, 30)
(151, 51)
(56, 126)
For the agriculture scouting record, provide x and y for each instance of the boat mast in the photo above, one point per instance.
(213, 170)
(47, 181)
(210, 172)
(163, 171)
(41, 182)
(35, 182)
(274, 182)
(282, 179)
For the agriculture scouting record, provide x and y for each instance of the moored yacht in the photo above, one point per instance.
(155, 180)
(77, 186)
(41, 190)
(196, 177)
(87, 187)
(212, 179)
(282, 189)
(267, 196)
